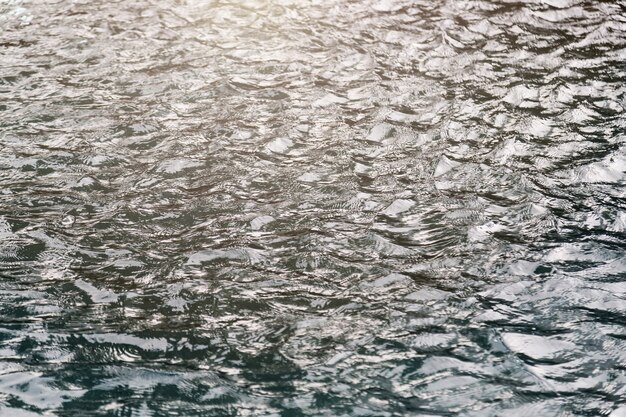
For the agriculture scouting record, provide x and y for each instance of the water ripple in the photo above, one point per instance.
(302, 208)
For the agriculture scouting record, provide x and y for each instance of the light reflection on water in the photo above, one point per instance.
(383, 208)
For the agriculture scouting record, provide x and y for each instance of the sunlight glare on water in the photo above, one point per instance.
(312, 208)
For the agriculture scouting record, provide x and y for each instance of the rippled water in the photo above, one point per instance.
(307, 208)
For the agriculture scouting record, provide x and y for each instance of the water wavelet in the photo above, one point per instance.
(274, 207)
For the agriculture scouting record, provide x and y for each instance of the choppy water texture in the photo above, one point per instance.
(312, 208)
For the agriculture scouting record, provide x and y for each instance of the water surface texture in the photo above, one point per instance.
(312, 208)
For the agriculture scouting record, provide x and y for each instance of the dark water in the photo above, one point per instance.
(312, 208)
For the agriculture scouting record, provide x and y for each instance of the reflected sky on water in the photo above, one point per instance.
(312, 208)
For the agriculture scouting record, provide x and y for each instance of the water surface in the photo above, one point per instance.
(312, 208)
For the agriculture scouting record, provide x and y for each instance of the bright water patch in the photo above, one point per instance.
(286, 208)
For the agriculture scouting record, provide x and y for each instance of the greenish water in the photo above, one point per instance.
(312, 208)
